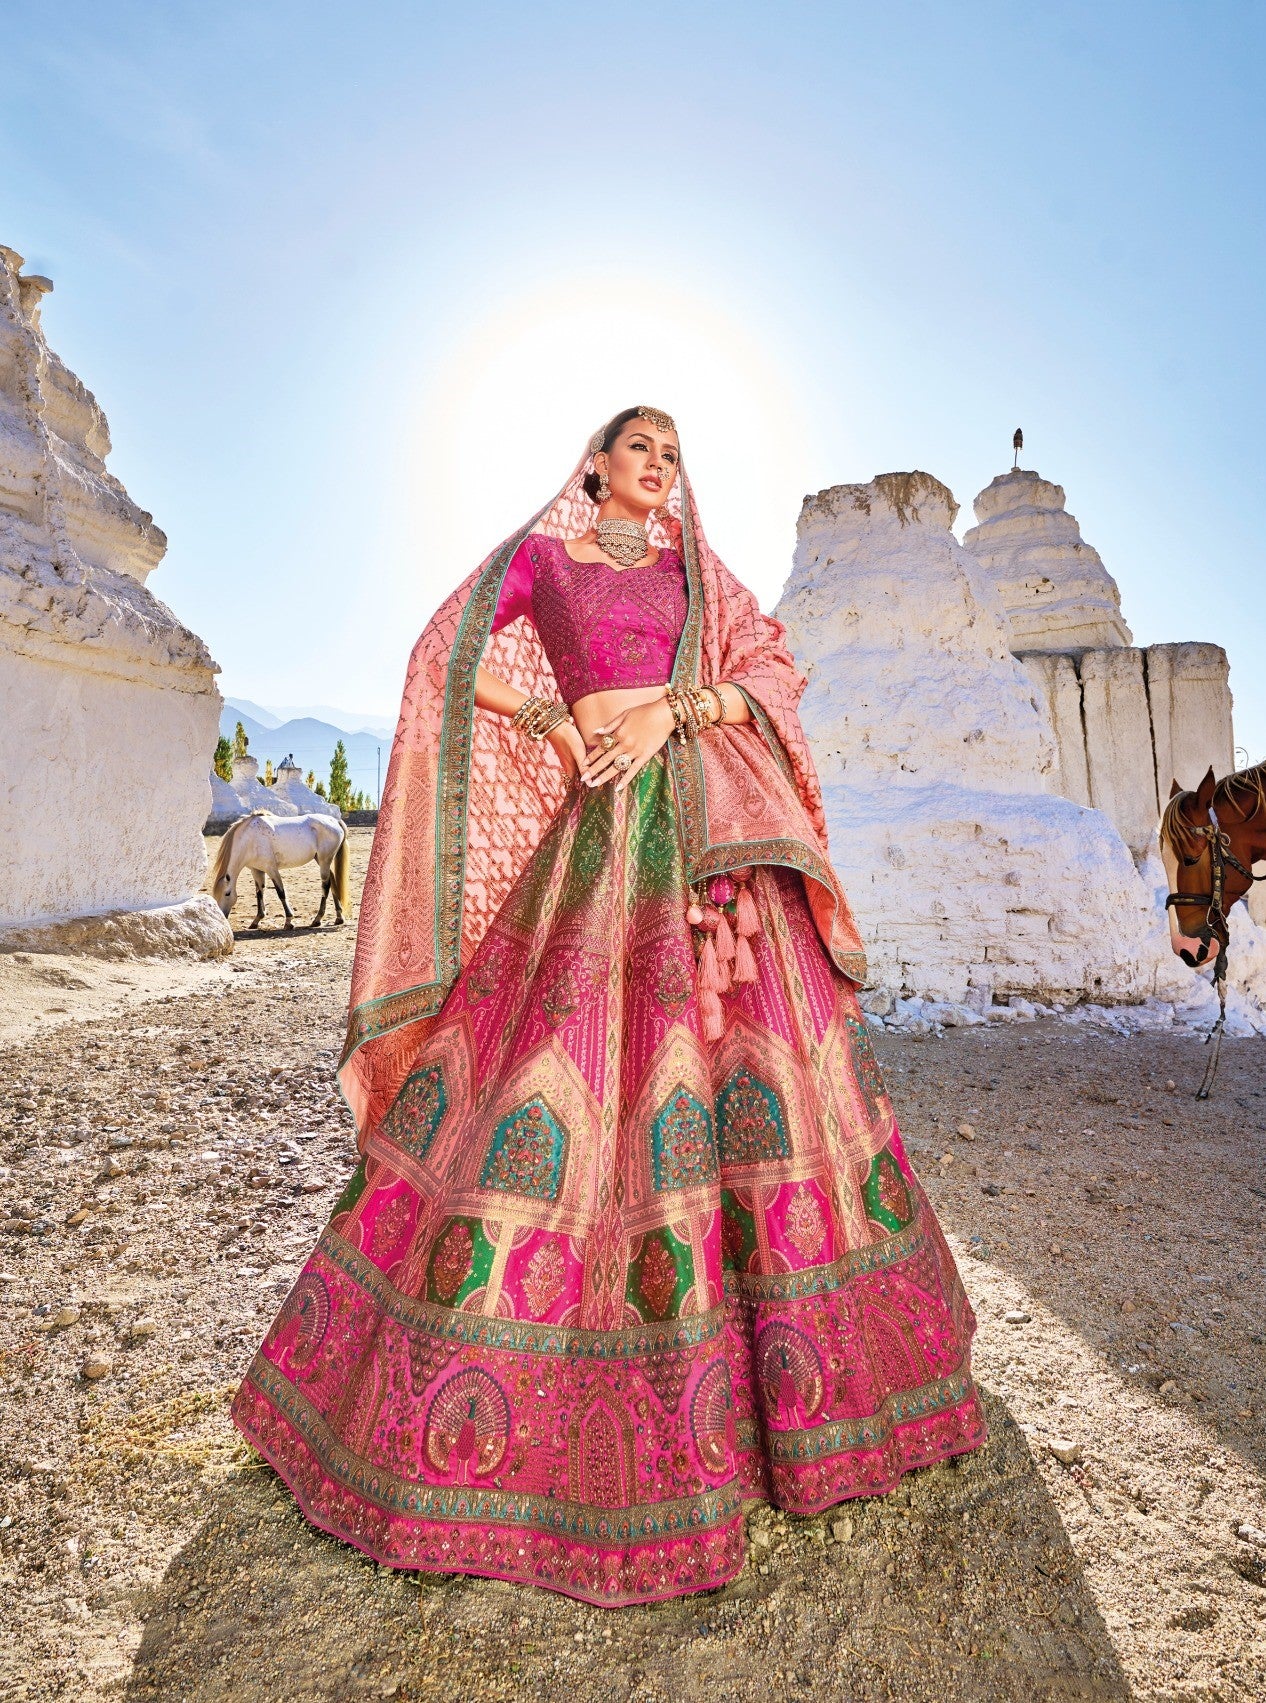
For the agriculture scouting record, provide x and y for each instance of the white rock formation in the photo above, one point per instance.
(108, 704)
(1057, 593)
(291, 786)
(971, 881)
(253, 794)
(1127, 722)
(226, 806)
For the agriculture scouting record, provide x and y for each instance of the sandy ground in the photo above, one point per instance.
(166, 1166)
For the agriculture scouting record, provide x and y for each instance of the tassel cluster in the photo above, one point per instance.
(725, 953)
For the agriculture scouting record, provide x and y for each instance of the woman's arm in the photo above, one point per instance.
(643, 728)
(493, 693)
(734, 706)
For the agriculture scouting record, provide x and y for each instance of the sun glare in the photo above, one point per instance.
(503, 420)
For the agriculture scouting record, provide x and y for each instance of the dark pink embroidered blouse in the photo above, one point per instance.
(601, 626)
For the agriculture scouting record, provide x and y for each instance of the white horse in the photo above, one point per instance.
(266, 844)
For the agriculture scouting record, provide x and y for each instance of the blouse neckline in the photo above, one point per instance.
(634, 567)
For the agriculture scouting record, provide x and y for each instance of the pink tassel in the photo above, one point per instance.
(712, 1014)
(723, 974)
(724, 938)
(745, 913)
(709, 974)
(744, 963)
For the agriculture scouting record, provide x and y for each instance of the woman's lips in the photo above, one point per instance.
(653, 484)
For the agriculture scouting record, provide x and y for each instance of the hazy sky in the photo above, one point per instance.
(354, 284)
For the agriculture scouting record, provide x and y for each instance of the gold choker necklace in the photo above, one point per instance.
(624, 541)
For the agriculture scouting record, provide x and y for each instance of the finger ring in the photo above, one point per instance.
(623, 760)
(606, 740)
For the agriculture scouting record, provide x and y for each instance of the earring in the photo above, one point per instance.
(604, 490)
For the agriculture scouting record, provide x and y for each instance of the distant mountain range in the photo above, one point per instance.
(310, 736)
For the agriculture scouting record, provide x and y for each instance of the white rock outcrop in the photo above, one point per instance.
(291, 786)
(972, 882)
(1057, 593)
(1126, 721)
(108, 703)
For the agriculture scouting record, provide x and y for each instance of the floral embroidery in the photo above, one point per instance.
(806, 1228)
(674, 986)
(453, 1259)
(683, 1145)
(527, 1152)
(543, 1280)
(887, 1197)
(658, 1281)
(750, 1121)
(418, 1111)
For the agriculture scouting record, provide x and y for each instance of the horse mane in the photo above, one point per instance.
(220, 868)
(1246, 787)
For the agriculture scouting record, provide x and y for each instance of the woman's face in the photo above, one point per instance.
(640, 466)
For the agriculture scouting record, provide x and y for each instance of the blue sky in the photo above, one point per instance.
(353, 285)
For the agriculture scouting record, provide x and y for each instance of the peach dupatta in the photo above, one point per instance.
(466, 800)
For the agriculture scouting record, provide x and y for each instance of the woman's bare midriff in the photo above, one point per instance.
(596, 709)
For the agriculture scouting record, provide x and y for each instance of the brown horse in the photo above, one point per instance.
(1210, 839)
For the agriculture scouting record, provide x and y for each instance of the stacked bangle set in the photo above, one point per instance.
(693, 707)
(538, 716)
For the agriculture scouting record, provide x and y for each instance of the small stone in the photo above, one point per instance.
(967, 1132)
(64, 1316)
(1168, 1388)
(111, 1168)
(994, 1189)
(947, 1158)
(1127, 1306)
(96, 1366)
(142, 1329)
(1171, 1087)
(119, 1141)
(842, 1530)
(1251, 1534)
(1017, 1316)
(78, 1217)
(1066, 1452)
(312, 1186)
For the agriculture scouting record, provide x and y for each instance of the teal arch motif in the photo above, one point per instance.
(683, 1145)
(751, 1125)
(418, 1111)
(527, 1153)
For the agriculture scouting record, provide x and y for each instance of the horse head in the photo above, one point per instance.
(1209, 839)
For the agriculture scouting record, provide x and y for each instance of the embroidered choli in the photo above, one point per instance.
(601, 626)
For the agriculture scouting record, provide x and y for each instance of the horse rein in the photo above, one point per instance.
(1215, 926)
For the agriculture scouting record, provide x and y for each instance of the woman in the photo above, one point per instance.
(634, 1238)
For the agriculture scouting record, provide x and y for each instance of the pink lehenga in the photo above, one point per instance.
(634, 1238)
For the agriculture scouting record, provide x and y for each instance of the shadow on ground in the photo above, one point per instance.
(961, 1584)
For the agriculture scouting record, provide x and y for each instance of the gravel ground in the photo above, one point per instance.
(165, 1170)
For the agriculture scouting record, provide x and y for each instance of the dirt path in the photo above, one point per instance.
(165, 1169)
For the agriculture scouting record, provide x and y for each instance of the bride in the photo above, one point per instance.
(633, 1238)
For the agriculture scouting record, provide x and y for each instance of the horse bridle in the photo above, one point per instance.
(1215, 925)
(1215, 920)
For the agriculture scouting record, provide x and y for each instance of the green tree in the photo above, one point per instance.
(240, 741)
(319, 789)
(222, 762)
(340, 781)
(311, 780)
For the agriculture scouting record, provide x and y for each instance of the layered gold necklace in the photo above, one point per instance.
(625, 541)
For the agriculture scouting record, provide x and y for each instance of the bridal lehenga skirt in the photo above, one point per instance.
(601, 1279)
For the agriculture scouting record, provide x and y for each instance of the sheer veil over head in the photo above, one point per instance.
(467, 799)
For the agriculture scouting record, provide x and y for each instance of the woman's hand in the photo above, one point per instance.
(639, 732)
(566, 740)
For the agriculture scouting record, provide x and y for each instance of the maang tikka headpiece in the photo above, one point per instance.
(656, 416)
